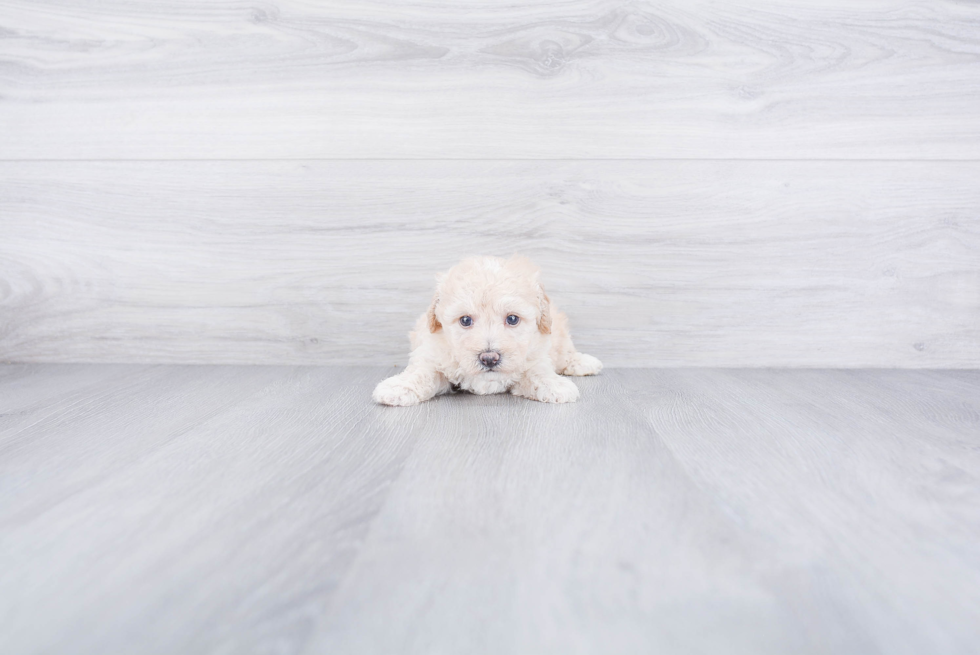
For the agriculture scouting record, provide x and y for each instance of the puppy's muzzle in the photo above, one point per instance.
(490, 359)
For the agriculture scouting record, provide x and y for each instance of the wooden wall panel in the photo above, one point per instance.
(480, 79)
(657, 263)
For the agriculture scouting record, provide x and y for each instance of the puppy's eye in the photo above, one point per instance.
(466, 321)
(513, 319)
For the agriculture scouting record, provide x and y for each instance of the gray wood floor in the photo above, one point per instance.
(209, 509)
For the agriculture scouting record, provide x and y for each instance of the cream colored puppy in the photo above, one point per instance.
(490, 329)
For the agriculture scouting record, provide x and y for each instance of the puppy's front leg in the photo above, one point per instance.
(543, 384)
(416, 384)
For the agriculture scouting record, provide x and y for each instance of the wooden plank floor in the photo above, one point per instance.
(218, 509)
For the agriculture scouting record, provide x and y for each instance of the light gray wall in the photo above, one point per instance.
(761, 184)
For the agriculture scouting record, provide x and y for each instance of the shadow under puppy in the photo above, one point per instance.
(490, 329)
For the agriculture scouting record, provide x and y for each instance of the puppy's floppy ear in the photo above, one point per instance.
(434, 324)
(544, 322)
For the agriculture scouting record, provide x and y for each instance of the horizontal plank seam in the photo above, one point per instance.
(494, 159)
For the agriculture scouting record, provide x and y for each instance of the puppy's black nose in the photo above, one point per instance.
(490, 358)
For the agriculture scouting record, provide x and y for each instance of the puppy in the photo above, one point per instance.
(490, 329)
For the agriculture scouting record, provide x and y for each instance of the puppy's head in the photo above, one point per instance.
(494, 314)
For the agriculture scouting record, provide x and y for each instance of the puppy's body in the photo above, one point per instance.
(490, 329)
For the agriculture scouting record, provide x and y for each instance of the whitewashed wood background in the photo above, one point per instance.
(756, 183)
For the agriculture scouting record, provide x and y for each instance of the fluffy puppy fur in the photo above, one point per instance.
(490, 329)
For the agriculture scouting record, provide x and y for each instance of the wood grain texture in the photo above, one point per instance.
(543, 529)
(202, 509)
(582, 79)
(877, 446)
(187, 509)
(844, 264)
(750, 512)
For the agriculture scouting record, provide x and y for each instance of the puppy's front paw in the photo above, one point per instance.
(394, 391)
(549, 390)
(582, 364)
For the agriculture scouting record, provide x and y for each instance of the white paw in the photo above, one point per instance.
(553, 390)
(582, 364)
(394, 391)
